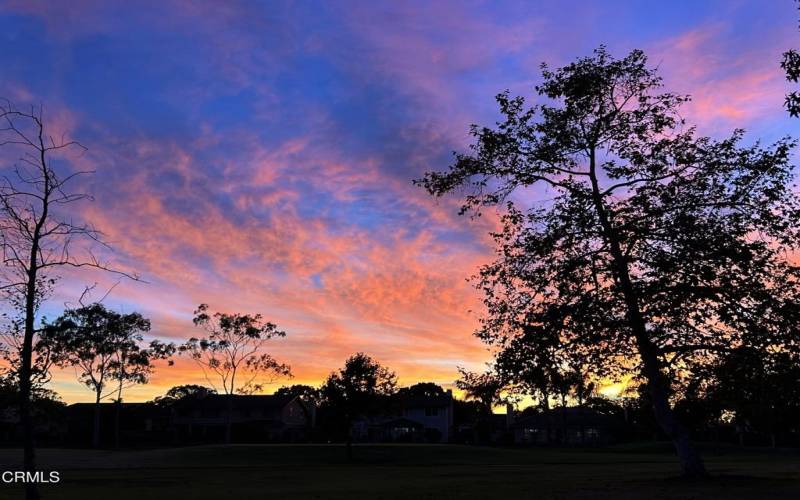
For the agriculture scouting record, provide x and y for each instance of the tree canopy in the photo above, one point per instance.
(628, 240)
(233, 351)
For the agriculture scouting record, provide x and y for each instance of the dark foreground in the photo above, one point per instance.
(405, 471)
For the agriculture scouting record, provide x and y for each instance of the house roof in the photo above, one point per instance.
(417, 401)
(110, 404)
(240, 402)
(573, 415)
(149, 409)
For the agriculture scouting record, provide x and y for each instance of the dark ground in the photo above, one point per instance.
(407, 471)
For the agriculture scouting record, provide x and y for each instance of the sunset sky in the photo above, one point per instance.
(258, 156)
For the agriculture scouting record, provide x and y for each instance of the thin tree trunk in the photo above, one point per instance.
(118, 410)
(564, 433)
(582, 414)
(25, 414)
(229, 420)
(26, 372)
(96, 425)
(546, 404)
(658, 388)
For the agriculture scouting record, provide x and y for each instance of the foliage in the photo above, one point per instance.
(183, 392)
(422, 390)
(791, 66)
(105, 347)
(485, 388)
(361, 388)
(761, 390)
(305, 392)
(358, 384)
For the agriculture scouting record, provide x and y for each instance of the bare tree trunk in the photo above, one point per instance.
(548, 423)
(658, 387)
(118, 410)
(564, 433)
(26, 418)
(96, 424)
(25, 414)
(229, 420)
(582, 414)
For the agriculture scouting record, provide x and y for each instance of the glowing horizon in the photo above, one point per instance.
(259, 157)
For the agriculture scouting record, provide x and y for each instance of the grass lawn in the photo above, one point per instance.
(405, 471)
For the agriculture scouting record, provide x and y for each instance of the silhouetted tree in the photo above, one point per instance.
(484, 387)
(105, 348)
(531, 369)
(762, 391)
(309, 399)
(634, 239)
(181, 392)
(422, 390)
(46, 405)
(133, 364)
(11, 342)
(354, 390)
(233, 348)
(38, 236)
(304, 392)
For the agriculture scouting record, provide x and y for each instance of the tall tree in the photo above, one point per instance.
(38, 236)
(487, 390)
(626, 237)
(106, 348)
(355, 390)
(133, 363)
(232, 350)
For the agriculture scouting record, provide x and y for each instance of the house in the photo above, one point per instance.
(411, 417)
(433, 411)
(139, 423)
(570, 426)
(253, 418)
(388, 429)
(481, 428)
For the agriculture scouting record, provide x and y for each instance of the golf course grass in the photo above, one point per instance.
(406, 471)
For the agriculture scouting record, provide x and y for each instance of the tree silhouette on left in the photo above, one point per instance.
(105, 348)
(38, 235)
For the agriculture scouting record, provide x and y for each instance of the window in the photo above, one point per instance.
(431, 412)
